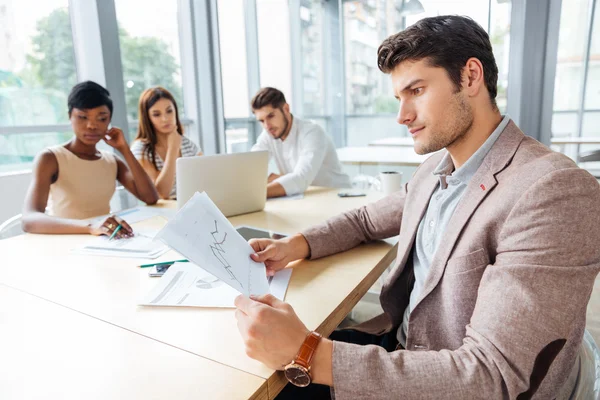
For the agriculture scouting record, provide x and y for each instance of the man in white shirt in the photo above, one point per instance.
(304, 154)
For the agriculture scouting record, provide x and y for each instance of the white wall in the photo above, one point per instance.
(13, 188)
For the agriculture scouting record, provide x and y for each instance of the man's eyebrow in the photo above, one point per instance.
(414, 82)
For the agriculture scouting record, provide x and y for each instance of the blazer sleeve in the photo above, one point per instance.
(529, 301)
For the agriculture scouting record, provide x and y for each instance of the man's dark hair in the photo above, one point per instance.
(88, 94)
(267, 96)
(447, 41)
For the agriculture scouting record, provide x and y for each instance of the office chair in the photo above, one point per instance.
(588, 381)
(11, 227)
(590, 156)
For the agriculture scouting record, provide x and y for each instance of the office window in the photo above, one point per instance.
(568, 84)
(592, 93)
(366, 24)
(311, 35)
(499, 31)
(493, 16)
(150, 53)
(590, 126)
(37, 71)
(274, 50)
(232, 44)
(234, 74)
(370, 103)
(570, 55)
(576, 111)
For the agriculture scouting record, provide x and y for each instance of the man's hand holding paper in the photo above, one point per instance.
(202, 234)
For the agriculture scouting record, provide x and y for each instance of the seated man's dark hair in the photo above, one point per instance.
(87, 95)
(267, 96)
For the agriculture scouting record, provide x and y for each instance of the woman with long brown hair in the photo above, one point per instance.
(160, 141)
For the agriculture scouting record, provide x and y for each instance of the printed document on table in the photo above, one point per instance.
(187, 285)
(137, 214)
(298, 196)
(141, 245)
(201, 233)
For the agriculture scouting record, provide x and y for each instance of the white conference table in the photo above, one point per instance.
(393, 142)
(48, 351)
(108, 289)
(564, 141)
(409, 142)
(374, 155)
(575, 140)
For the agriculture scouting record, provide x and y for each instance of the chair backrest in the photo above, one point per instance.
(123, 199)
(11, 227)
(590, 156)
(588, 381)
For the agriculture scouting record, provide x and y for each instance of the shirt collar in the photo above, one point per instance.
(293, 129)
(468, 169)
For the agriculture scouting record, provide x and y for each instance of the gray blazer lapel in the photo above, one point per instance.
(473, 196)
(415, 206)
(482, 183)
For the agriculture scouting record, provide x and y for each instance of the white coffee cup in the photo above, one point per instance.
(391, 181)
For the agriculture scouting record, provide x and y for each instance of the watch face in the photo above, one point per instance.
(297, 375)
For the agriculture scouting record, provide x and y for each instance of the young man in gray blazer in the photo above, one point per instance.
(498, 251)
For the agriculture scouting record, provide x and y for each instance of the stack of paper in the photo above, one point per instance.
(141, 245)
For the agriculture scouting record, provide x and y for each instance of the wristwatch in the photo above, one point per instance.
(298, 371)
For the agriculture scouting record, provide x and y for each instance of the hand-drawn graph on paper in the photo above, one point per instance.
(219, 252)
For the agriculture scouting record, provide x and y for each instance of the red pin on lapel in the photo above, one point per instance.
(482, 187)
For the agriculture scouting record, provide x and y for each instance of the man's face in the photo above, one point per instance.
(90, 125)
(435, 114)
(273, 120)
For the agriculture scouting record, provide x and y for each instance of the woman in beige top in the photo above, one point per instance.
(76, 180)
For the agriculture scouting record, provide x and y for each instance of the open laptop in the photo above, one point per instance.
(236, 183)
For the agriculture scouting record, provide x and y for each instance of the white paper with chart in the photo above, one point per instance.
(202, 234)
(188, 285)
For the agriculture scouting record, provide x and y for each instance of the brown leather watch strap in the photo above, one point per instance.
(307, 350)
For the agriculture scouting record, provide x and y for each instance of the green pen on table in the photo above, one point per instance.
(161, 263)
(117, 229)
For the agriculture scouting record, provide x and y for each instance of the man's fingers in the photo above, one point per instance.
(268, 299)
(243, 303)
(266, 254)
(259, 244)
(275, 265)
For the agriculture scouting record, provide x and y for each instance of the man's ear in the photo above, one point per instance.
(472, 76)
(286, 108)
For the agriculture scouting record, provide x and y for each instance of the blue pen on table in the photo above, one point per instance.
(117, 229)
